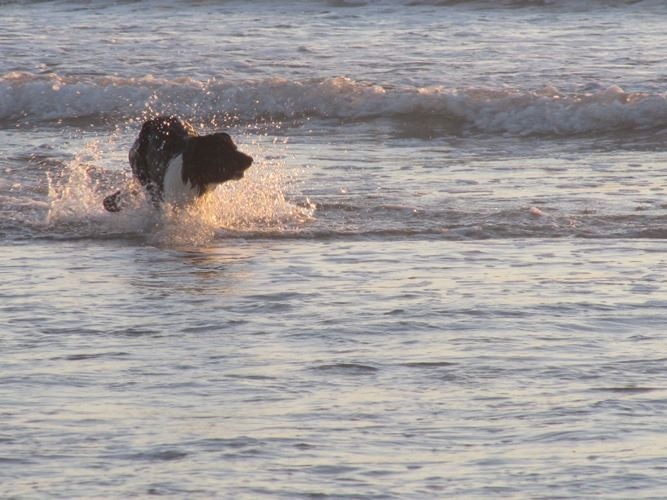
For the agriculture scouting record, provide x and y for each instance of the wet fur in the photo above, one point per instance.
(207, 160)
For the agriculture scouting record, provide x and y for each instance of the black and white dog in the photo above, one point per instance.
(177, 166)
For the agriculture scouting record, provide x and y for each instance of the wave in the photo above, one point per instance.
(26, 98)
(346, 4)
(202, 225)
(567, 4)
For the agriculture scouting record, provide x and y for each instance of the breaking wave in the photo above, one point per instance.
(26, 98)
(562, 4)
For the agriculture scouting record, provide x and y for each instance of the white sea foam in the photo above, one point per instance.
(30, 98)
(576, 5)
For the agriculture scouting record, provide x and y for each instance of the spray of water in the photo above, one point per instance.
(261, 204)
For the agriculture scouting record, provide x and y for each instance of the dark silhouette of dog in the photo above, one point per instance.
(176, 165)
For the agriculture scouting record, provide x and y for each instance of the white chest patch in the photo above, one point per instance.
(175, 191)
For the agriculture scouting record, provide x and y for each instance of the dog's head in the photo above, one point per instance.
(213, 159)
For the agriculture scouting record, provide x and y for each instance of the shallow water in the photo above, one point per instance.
(333, 368)
(442, 276)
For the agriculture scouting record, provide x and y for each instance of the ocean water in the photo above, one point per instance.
(443, 276)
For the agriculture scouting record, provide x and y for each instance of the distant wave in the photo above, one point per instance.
(26, 98)
(566, 4)
(577, 4)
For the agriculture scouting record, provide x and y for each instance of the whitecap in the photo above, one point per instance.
(546, 111)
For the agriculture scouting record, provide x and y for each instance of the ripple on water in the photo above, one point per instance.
(349, 369)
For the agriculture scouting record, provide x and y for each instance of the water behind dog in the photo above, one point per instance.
(443, 276)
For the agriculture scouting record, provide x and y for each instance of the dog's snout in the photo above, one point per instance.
(245, 160)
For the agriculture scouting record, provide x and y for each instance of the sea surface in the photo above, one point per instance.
(444, 276)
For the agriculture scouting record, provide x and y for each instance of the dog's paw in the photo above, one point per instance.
(112, 202)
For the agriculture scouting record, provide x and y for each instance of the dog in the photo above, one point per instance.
(175, 165)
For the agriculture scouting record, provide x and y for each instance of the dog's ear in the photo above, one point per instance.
(225, 140)
(201, 159)
(213, 159)
(215, 150)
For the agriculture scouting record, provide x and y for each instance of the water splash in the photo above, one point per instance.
(258, 204)
(75, 197)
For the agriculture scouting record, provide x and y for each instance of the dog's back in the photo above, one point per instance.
(159, 141)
